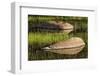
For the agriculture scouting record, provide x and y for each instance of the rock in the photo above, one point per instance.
(71, 46)
(53, 26)
(65, 27)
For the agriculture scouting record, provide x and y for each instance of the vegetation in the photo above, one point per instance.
(42, 39)
(38, 40)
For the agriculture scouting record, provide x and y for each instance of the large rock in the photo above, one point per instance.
(71, 46)
(65, 27)
(53, 26)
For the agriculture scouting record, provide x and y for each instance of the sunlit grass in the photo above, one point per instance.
(41, 39)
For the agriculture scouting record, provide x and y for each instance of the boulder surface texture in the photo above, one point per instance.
(71, 46)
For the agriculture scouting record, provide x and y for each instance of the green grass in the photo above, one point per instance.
(38, 40)
(46, 55)
(41, 39)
